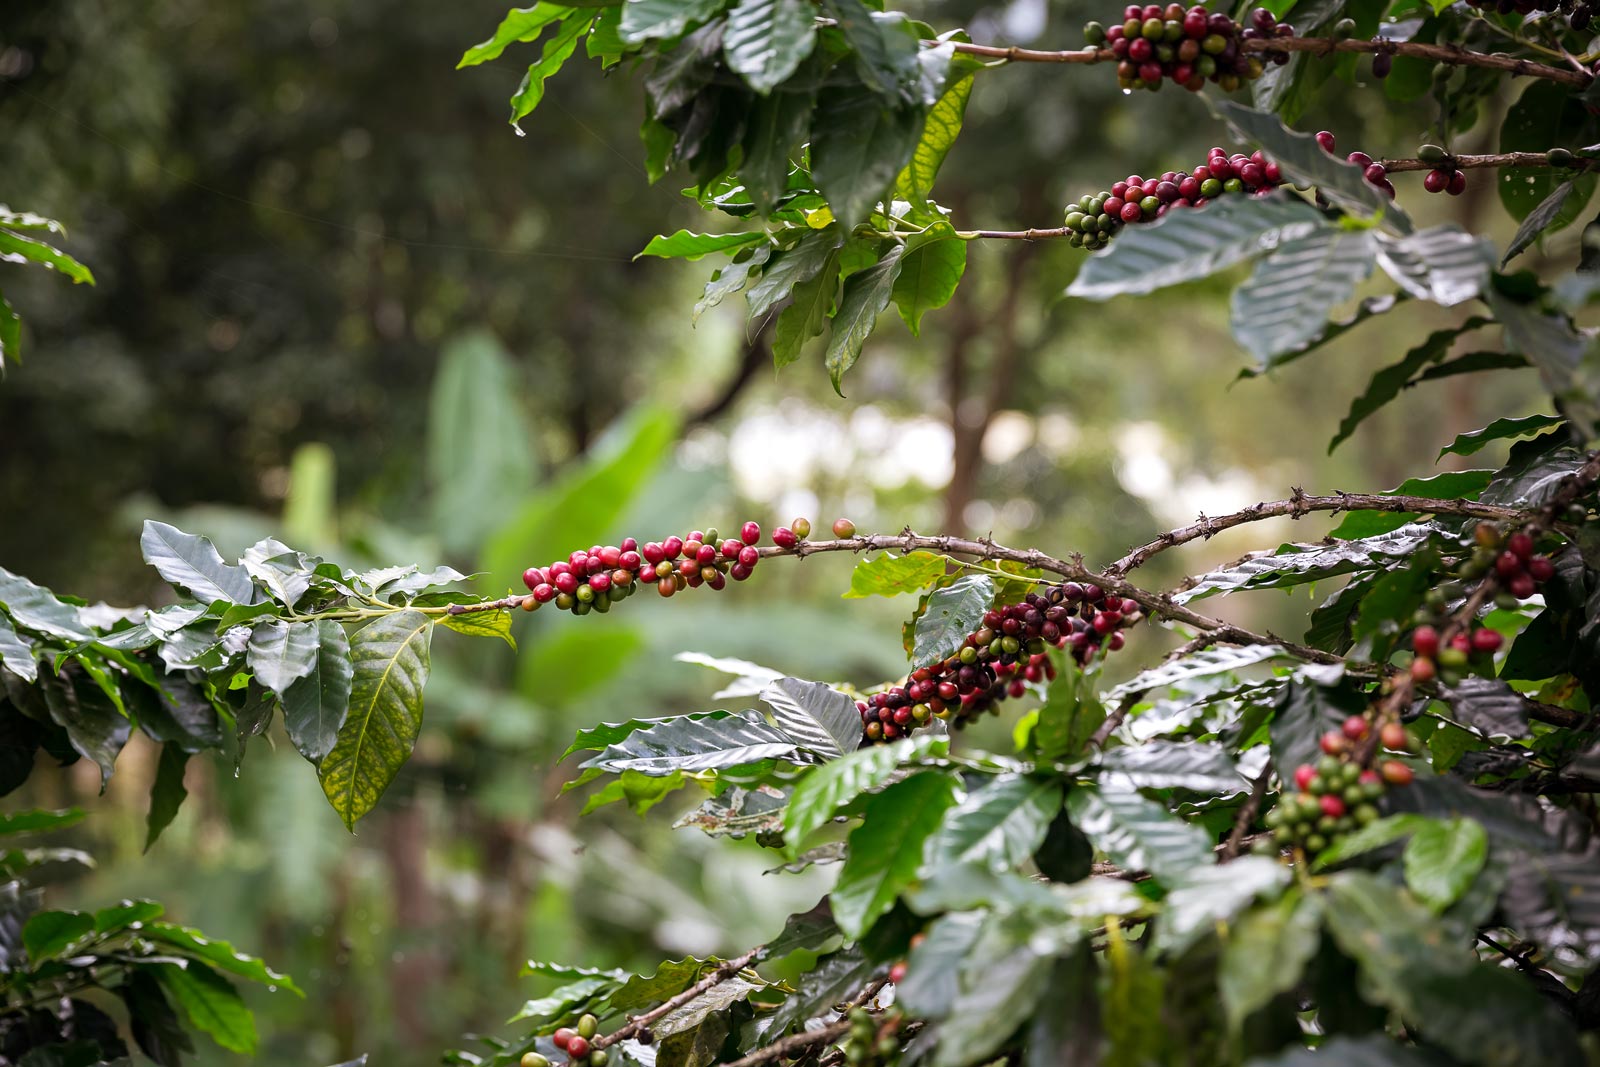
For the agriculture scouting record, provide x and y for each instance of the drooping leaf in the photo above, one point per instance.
(38, 821)
(886, 849)
(644, 20)
(15, 248)
(866, 294)
(766, 40)
(807, 313)
(1443, 264)
(697, 743)
(280, 653)
(1451, 485)
(1286, 303)
(1000, 825)
(16, 652)
(33, 607)
(930, 271)
(1545, 114)
(952, 613)
(389, 659)
(191, 564)
(994, 1001)
(1069, 717)
(1538, 220)
(860, 141)
(1138, 834)
(939, 132)
(1184, 246)
(211, 1004)
(47, 933)
(520, 24)
(218, 954)
(1443, 858)
(1212, 895)
(168, 793)
(1195, 765)
(829, 787)
(1298, 564)
(1304, 711)
(94, 726)
(1266, 952)
(1388, 383)
(686, 245)
(885, 55)
(815, 715)
(1473, 441)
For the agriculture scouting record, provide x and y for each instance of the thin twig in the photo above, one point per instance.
(831, 1032)
(723, 971)
(1103, 733)
(1246, 816)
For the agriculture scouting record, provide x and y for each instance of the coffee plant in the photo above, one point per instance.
(1373, 843)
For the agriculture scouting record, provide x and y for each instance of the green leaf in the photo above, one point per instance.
(218, 954)
(1195, 765)
(952, 613)
(866, 294)
(1266, 952)
(1442, 860)
(1069, 716)
(1184, 246)
(1390, 935)
(168, 793)
(825, 790)
(389, 657)
(47, 933)
(1545, 114)
(1538, 220)
(1223, 659)
(1298, 564)
(1551, 342)
(1302, 159)
(607, 734)
(807, 313)
(1285, 304)
(1388, 383)
(644, 20)
(126, 914)
(33, 607)
(1375, 1050)
(10, 333)
(496, 624)
(643, 792)
(860, 141)
(480, 441)
(94, 726)
(191, 563)
(37, 821)
(1467, 444)
(1209, 897)
(281, 653)
(885, 56)
(1332, 330)
(556, 52)
(890, 575)
(999, 990)
(931, 269)
(1442, 264)
(775, 128)
(697, 743)
(1452, 485)
(886, 849)
(915, 183)
(816, 716)
(211, 1004)
(520, 24)
(566, 1000)
(1490, 706)
(788, 269)
(15, 248)
(766, 40)
(1139, 834)
(1070, 1032)
(731, 277)
(16, 652)
(1000, 825)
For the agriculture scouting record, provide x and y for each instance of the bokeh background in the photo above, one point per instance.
(340, 302)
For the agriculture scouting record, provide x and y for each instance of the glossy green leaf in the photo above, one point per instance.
(15, 248)
(788, 269)
(1209, 897)
(766, 40)
(860, 142)
(1545, 114)
(731, 277)
(38, 821)
(1000, 987)
(94, 726)
(520, 24)
(566, 1000)
(1156, 764)
(866, 294)
(128, 913)
(315, 706)
(1266, 952)
(1069, 716)
(1303, 712)
(47, 933)
(1388, 383)
(557, 50)
(1224, 659)
(930, 271)
(167, 793)
(644, 20)
(1390, 935)
(951, 614)
(886, 849)
(825, 790)
(281, 653)
(807, 313)
(211, 1004)
(389, 657)
(1297, 564)
(815, 715)
(1139, 834)
(1443, 264)
(1286, 303)
(1474, 441)
(1184, 246)
(697, 743)
(191, 563)
(16, 652)
(33, 607)
(1451, 485)
(1442, 860)
(218, 954)
(776, 128)
(943, 124)
(999, 825)
(885, 55)
(1538, 220)
(891, 575)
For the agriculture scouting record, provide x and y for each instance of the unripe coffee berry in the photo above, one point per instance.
(843, 528)
(533, 1059)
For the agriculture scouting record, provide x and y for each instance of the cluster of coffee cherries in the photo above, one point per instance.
(575, 1041)
(1094, 218)
(873, 1040)
(1518, 570)
(1445, 177)
(598, 578)
(999, 658)
(1376, 173)
(1579, 13)
(1336, 795)
(1186, 46)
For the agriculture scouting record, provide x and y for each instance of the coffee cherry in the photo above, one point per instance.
(563, 1037)
(1486, 640)
(784, 537)
(577, 1047)
(588, 1026)
(1396, 773)
(1382, 64)
(1437, 181)
(1540, 569)
(1334, 743)
(1425, 641)
(1355, 727)
(1303, 775)
(533, 1059)
(801, 528)
(843, 528)
(599, 1058)
(1325, 140)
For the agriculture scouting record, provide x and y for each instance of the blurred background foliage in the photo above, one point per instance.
(341, 303)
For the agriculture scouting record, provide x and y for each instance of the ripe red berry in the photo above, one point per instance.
(1325, 139)
(532, 577)
(1507, 565)
(1423, 670)
(1375, 173)
(600, 582)
(610, 556)
(843, 528)
(1458, 183)
(1303, 775)
(1396, 773)
(1520, 544)
(1369, 777)
(672, 546)
(1425, 641)
(544, 592)
(566, 583)
(1437, 181)
(563, 1037)
(1540, 569)
(1333, 743)
(750, 533)
(1394, 737)
(578, 1047)
(784, 537)
(748, 556)
(1360, 159)
(897, 973)
(1355, 727)
(1332, 806)
(1486, 640)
